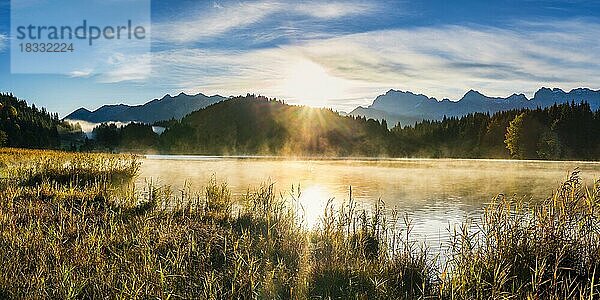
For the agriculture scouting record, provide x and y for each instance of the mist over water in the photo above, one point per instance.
(436, 194)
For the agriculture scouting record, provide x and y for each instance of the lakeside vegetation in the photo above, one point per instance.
(72, 225)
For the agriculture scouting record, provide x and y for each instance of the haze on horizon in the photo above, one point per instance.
(339, 54)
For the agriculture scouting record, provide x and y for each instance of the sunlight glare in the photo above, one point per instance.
(313, 200)
(311, 84)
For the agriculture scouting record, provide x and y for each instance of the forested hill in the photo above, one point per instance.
(25, 126)
(257, 125)
(565, 131)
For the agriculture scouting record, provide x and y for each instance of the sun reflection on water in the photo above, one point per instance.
(312, 200)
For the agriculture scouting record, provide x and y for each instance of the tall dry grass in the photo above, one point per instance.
(74, 226)
(549, 250)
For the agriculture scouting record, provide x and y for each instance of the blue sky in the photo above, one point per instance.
(339, 54)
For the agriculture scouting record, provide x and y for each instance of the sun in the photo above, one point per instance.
(309, 83)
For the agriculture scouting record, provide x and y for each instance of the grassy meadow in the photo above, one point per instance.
(74, 225)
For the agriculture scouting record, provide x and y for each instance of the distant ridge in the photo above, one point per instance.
(165, 108)
(394, 106)
(407, 108)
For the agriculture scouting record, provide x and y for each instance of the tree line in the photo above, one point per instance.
(257, 125)
(26, 126)
(561, 131)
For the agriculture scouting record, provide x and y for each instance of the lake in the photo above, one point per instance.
(436, 194)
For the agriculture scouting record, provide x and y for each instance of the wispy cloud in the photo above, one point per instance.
(3, 41)
(220, 20)
(127, 68)
(225, 17)
(332, 10)
(81, 73)
(441, 61)
(446, 61)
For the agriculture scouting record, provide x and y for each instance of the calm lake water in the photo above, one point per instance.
(436, 194)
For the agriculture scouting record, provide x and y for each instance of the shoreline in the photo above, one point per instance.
(357, 159)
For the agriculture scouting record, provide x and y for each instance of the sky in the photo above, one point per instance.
(338, 54)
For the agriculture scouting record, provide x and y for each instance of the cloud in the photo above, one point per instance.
(3, 41)
(352, 69)
(124, 67)
(332, 10)
(220, 20)
(446, 61)
(81, 73)
(223, 18)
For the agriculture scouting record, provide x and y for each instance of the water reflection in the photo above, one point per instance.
(435, 194)
(313, 201)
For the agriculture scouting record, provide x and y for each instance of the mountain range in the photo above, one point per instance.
(395, 106)
(407, 108)
(166, 108)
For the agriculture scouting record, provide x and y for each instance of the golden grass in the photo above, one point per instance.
(73, 226)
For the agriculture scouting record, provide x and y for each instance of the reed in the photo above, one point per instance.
(75, 226)
(31, 167)
(550, 250)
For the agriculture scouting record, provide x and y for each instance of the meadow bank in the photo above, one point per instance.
(73, 225)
